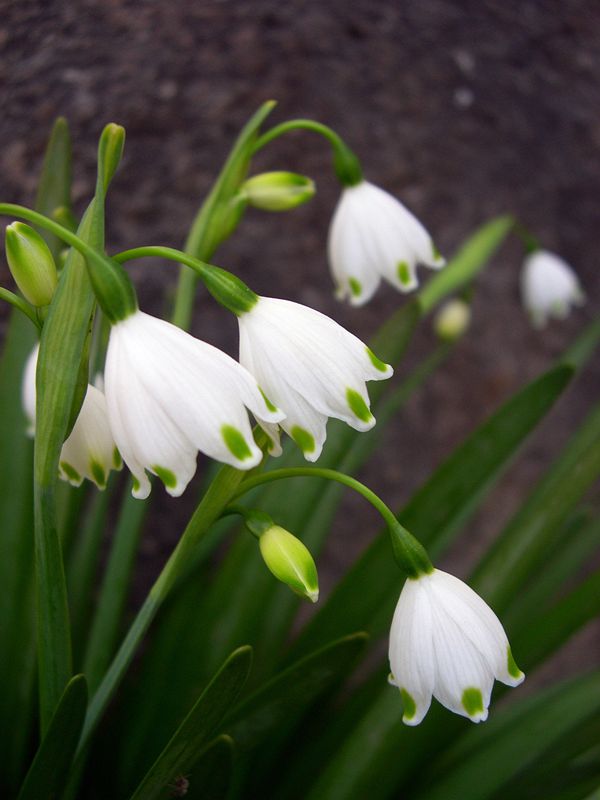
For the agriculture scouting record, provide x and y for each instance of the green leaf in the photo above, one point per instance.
(514, 555)
(48, 772)
(368, 592)
(483, 761)
(195, 731)
(212, 774)
(54, 189)
(284, 698)
(467, 263)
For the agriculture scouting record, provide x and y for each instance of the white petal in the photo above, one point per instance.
(28, 393)
(548, 287)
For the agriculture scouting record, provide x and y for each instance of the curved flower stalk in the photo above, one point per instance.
(310, 367)
(373, 236)
(549, 287)
(89, 451)
(447, 642)
(170, 395)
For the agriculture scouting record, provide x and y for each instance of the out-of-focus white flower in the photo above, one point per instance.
(170, 395)
(373, 236)
(89, 451)
(447, 642)
(548, 287)
(311, 367)
(452, 320)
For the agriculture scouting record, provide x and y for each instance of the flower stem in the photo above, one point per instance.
(409, 553)
(346, 164)
(21, 304)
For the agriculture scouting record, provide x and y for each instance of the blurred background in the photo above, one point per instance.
(463, 110)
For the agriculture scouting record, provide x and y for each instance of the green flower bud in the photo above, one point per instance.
(452, 320)
(278, 191)
(290, 561)
(31, 263)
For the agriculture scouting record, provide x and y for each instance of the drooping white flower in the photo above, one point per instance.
(89, 451)
(373, 236)
(170, 395)
(311, 367)
(548, 287)
(447, 642)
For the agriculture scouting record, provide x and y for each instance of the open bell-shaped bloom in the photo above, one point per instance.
(549, 287)
(311, 367)
(373, 236)
(170, 395)
(447, 642)
(89, 451)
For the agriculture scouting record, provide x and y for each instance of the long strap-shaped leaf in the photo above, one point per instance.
(48, 772)
(188, 741)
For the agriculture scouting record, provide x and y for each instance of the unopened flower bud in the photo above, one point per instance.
(31, 263)
(290, 561)
(278, 191)
(452, 320)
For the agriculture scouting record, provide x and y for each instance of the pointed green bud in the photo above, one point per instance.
(31, 263)
(452, 320)
(290, 561)
(278, 191)
(110, 151)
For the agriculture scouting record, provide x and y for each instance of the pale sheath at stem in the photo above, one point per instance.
(170, 395)
(447, 642)
(373, 236)
(311, 367)
(549, 287)
(89, 451)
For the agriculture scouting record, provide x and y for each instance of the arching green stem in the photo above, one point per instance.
(21, 304)
(346, 164)
(409, 553)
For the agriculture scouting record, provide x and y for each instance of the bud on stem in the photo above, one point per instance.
(278, 191)
(31, 263)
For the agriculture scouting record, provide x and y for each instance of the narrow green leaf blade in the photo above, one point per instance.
(212, 774)
(467, 263)
(195, 731)
(48, 772)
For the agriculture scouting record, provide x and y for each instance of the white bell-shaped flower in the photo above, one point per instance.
(311, 367)
(373, 236)
(447, 642)
(549, 287)
(170, 395)
(89, 451)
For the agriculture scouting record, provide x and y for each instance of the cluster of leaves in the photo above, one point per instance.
(227, 699)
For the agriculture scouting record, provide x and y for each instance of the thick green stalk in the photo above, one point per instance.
(408, 552)
(210, 509)
(218, 215)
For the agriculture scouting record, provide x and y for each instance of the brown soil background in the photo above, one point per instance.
(463, 110)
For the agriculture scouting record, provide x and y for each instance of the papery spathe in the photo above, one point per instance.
(549, 287)
(311, 367)
(89, 451)
(447, 642)
(373, 236)
(170, 395)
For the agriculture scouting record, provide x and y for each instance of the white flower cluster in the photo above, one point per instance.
(169, 395)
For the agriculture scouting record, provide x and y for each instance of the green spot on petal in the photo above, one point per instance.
(97, 471)
(304, 439)
(511, 665)
(410, 707)
(268, 403)
(117, 460)
(166, 476)
(355, 287)
(358, 406)
(377, 363)
(472, 701)
(70, 472)
(235, 442)
(136, 484)
(404, 273)
(435, 252)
